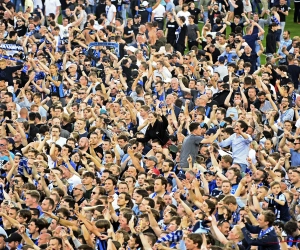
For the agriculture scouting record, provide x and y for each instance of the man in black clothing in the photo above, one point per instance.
(128, 31)
(248, 55)
(267, 238)
(293, 71)
(181, 34)
(171, 28)
(271, 39)
(6, 72)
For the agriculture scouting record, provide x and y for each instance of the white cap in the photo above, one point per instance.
(162, 50)
(167, 80)
(145, 3)
(68, 64)
(130, 48)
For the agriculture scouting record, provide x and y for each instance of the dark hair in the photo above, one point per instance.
(244, 125)
(196, 238)
(193, 126)
(290, 227)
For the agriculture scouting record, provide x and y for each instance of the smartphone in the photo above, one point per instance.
(9, 121)
(7, 114)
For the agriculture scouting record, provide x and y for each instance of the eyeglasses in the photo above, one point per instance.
(87, 65)
(185, 59)
(77, 189)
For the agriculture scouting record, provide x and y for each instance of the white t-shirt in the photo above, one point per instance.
(38, 3)
(61, 141)
(159, 11)
(64, 31)
(50, 6)
(74, 180)
(110, 10)
(186, 14)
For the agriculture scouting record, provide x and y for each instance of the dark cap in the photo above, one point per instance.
(203, 125)
(137, 16)
(3, 106)
(221, 59)
(14, 237)
(152, 158)
(11, 140)
(181, 176)
(218, 33)
(210, 131)
(210, 172)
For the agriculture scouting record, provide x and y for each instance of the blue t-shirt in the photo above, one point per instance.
(250, 39)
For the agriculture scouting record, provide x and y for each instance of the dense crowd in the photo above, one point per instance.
(139, 125)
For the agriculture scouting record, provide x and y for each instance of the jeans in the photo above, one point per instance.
(297, 12)
(243, 167)
(124, 14)
(89, 9)
(205, 16)
(255, 5)
(257, 48)
(282, 25)
(19, 6)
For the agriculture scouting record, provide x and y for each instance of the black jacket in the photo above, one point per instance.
(271, 42)
(269, 241)
(157, 131)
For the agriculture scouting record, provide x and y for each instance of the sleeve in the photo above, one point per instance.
(58, 3)
(164, 122)
(226, 142)
(259, 241)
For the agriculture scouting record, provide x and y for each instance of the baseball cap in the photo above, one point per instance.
(209, 172)
(221, 59)
(210, 131)
(181, 176)
(3, 106)
(152, 158)
(14, 237)
(137, 16)
(155, 171)
(11, 140)
(145, 3)
(203, 125)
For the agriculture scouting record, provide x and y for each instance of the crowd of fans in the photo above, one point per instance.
(149, 125)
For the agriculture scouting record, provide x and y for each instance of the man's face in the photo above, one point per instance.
(143, 205)
(3, 145)
(43, 239)
(28, 200)
(55, 132)
(46, 205)
(12, 214)
(54, 245)
(32, 228)
(224, 228)
(230, 175)
(158, 187)
(109, 186)
(294, 177)
(123, 188)
(226, 188)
